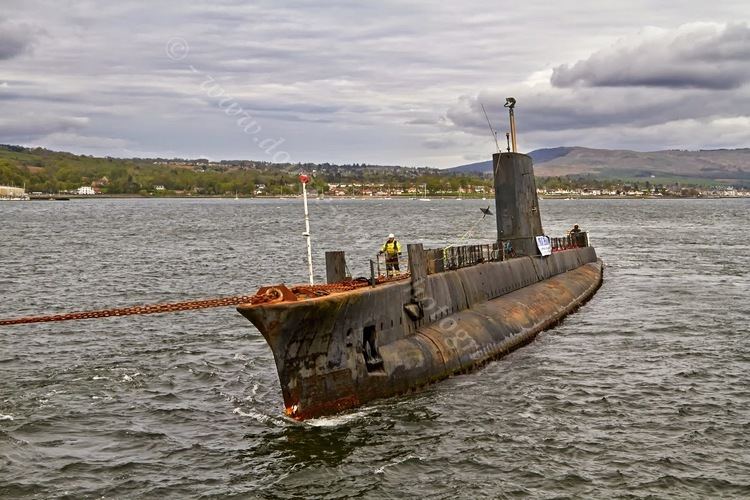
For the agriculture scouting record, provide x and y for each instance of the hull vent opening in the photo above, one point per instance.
(373, 361)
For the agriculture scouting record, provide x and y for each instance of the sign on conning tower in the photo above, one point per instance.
(516, 202)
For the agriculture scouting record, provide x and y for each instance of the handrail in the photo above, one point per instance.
(457, 257)
(571, 240)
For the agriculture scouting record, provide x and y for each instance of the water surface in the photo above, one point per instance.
(644, 392)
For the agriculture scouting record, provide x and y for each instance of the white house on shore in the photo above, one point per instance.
(85, 190)
(13, 193)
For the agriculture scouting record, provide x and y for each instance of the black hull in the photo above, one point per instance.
(342, 350)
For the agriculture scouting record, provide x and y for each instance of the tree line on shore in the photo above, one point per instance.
(45, 171)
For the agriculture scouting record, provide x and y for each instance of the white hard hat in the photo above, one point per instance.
(391, 235)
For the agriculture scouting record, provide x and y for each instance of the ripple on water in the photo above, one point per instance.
(643, 392)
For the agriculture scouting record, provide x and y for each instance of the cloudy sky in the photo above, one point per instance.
(371, 81)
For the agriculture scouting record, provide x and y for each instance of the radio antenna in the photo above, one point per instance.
(492, 131)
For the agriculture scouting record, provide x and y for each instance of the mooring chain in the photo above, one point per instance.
(265, 295)
(146, 309)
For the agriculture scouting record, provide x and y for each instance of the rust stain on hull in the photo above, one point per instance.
(339, 351)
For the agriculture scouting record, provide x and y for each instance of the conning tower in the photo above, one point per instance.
(516, 202)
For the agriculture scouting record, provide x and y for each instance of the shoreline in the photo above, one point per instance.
(66, 197)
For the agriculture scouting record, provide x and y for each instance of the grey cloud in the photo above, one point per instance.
(36, 96)
(585, 108)
(29, 127)
(681, 134)
(15, 39)
(67, 140)
(347, 81)
(438, 143)
(422, 121)
(691, 56)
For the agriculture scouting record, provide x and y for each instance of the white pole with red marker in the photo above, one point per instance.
(304, 179)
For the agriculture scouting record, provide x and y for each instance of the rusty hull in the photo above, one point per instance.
(458, 320)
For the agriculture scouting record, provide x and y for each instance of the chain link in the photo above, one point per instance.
(265, 295)
(146, 309)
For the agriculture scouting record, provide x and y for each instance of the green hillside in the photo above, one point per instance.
(42, 170)
(51, 171)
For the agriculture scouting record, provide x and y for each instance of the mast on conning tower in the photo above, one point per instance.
(510, 103)
(516, 202)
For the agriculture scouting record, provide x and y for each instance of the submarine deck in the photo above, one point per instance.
(340, 350)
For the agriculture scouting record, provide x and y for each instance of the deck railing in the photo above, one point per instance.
(456, 257)
(572, 240)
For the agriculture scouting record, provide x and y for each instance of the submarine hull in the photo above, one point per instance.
(339, 351)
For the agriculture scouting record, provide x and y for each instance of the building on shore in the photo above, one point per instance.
(13, 193)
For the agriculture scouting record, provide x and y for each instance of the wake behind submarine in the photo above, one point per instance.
(342, 344)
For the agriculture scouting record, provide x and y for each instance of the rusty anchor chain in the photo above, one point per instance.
(144, 309)
(264, 295)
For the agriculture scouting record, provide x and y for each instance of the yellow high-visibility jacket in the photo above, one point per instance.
(391, 248)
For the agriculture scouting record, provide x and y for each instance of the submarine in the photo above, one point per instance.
(342, 344)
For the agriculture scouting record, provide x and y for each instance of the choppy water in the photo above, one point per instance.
(644, 392)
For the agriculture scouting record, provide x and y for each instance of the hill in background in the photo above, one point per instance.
(721, 165)
(539, 156)
(44, 171)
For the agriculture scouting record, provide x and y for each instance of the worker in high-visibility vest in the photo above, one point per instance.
(392, 250)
